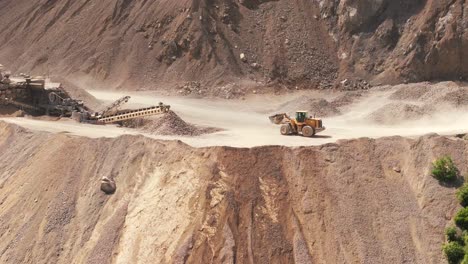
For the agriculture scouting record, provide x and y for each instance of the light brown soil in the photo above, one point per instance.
(148, 45)
(347, 98)
(320, 106)
(166, 44)
(78, 93)
(393, 113)
(10, 111)
(245, 123)
(421, 100)
(390, 41)
(169, 124)
(336, 203)
(315, 106)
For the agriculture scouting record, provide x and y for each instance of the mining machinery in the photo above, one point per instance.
(36, 96)
(33, 97)
(302, 124)
(105, 117)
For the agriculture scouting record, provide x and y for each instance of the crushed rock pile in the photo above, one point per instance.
(346, 99)
(394, 113)
(457, 98)
(441, 93)
(305, 43)
(410, 102)
(336, 203)
(318, 107)
(170, 42)
(167, 125)
(10, 111)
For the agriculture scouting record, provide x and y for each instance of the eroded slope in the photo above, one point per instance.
(391, 41)
(337, 203)
(150, 43)
(158, 44)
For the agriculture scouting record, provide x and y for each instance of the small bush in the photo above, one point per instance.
(462, 194)
(464, 237)
(465, 259)
(451, 234)
(444, 169)
(461, 219)
(453, 252)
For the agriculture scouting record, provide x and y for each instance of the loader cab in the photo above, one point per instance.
(301, 116)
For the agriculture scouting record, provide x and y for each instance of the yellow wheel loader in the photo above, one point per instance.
(303, 124)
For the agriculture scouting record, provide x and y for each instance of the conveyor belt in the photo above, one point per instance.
(142, 112)
(22, 105)
(115, 105)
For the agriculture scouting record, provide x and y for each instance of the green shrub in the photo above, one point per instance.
(453, 252)
(465, 259)
(464, 237)
(461, 218)
(443, 169)
(462, 194)
(451, 234)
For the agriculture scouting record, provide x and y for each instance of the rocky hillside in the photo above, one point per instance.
(390, 41)
(357, 201)
(234, 44)
(161, 42)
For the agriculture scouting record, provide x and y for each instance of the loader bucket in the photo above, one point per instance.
(276, 119)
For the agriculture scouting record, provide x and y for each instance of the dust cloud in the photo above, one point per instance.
(244, 123)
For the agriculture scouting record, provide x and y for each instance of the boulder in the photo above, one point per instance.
(108, 185)
(243, 57)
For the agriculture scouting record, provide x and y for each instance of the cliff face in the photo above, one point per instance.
(391, 41)
(358, 201)
(156, 44)
(161, 42)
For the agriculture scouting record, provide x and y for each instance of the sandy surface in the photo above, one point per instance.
(245, 122)
(357, 201)
(165, 45)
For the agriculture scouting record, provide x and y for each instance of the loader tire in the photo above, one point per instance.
(285, 130)
(308, 131)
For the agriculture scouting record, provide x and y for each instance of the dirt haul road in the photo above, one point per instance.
(355, 201)
(386, 111)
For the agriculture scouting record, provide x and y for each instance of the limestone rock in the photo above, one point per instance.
(108, 185)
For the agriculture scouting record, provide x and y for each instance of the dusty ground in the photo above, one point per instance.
(78, 93)
(165, 44)
(405, 110)
(336, 203)
(195, 46)
(10, 111)
(168, 124)
(343, 200)
(328, 199)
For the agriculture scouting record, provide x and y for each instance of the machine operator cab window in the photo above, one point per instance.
(301, 116)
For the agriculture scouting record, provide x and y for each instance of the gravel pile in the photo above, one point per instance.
(395, 113)
(346, 99)
(169, 124)
(410, 91)
(457, 98)
(444, 92)
(318, 107)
